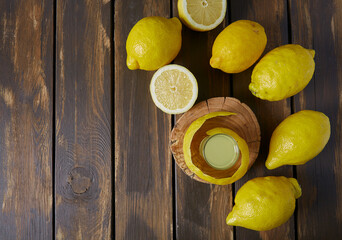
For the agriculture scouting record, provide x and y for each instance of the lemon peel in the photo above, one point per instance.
(153, 42)
(238, 46)
(298, 138)
(193, 128)
(297, 190)
(282, 72)
(264, 203)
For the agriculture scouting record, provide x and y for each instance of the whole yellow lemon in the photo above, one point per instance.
(153, 42)
(282, 73)
(264, 203)
(298, 139)
(238, 46)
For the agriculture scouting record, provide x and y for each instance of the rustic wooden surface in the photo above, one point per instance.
(84, 152)
(143, 166)
(320, 209)
(83, 157)
(26, 105)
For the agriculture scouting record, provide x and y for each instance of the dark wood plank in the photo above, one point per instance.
(83, 120)
(26, 85)
(143, 170)
(202, 208)
(272, 15)
(317, 25)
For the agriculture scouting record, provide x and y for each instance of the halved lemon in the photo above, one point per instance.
(174, 89)
(202, 15)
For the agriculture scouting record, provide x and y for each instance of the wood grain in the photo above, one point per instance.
(26, 84)
(83, 120)
(272, 15)
(143, 170)
(201, 209)
(143, 166)
(320, 207)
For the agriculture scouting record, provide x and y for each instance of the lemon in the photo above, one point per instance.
(238, 46)
(202, 15)
(283, 72)
(153, 42)
(298, 139)
(188, 137)
(174, 89)
(264, 203)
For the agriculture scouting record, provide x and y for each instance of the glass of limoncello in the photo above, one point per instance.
(220, 151)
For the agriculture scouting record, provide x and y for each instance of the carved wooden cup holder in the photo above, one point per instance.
(244, 123)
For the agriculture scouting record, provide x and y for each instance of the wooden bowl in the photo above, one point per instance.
(244, 123)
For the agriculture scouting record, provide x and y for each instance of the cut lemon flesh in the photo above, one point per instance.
(202, 15)
(174, 89)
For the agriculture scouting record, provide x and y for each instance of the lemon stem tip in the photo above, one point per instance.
(271, 163)
(312, 52)
(132, 63)
(176, 20)
(214, 62)
(296, 187)
(230, 220)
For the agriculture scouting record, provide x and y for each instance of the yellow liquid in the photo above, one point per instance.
(220, 151)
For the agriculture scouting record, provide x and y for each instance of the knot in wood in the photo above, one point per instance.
(80, 180)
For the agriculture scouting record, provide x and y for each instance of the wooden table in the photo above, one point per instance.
(84, 151)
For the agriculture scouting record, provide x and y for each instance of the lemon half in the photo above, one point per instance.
(174, 89)
(202, 15)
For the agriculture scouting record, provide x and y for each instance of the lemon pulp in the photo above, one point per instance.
(202, 15)
(204, 12)
(173, 89)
